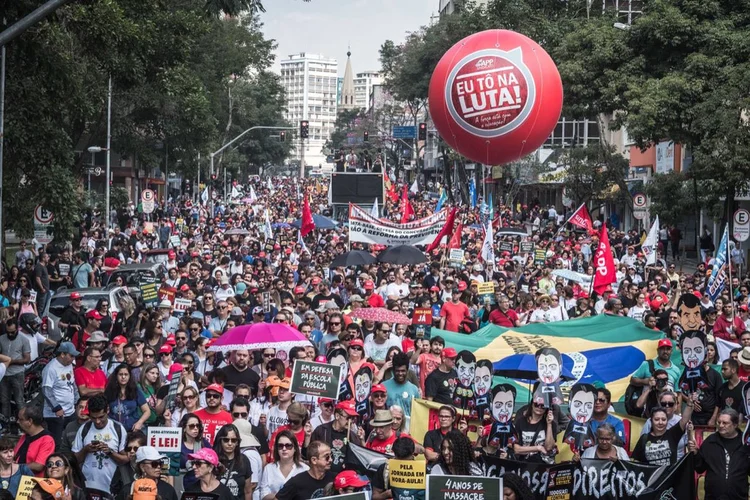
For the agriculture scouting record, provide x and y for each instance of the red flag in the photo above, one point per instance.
(406, 209)
(582, 219)
(605, 264)
(308, 224)
(455, 241)
(447, 230)
(390, 189)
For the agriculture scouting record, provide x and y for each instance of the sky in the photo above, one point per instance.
(327, 27)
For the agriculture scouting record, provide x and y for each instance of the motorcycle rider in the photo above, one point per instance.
(29, 325)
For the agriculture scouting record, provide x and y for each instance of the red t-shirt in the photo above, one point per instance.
(90, 380)
(40, 448)
(212, 422)
(375, 300)
(454, 314)
(505, 319)
(383, 445)
(427, 362)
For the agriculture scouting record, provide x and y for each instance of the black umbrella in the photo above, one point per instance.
(403, 254)
(353, 258)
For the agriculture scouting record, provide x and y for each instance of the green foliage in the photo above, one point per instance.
(672, 196)
(591, 172)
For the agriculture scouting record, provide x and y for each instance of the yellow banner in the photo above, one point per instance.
(25, 486)
(407, 474)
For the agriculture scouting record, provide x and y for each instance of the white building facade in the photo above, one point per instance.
(363, 84)
(311, 82)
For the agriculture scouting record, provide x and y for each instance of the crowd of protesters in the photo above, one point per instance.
(245, 435)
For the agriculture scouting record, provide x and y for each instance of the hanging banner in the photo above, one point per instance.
(365, 228)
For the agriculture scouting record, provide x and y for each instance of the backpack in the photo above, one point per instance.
(633, 392)
(87, 427)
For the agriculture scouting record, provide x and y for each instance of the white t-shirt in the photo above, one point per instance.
(318, 421)
(637, 312)
(396, 290)
(275, 419)
(550, 315)
(256, 464)
(272, 479)
(378, 351)
(60, 378)
(34, 341)
(98, 468)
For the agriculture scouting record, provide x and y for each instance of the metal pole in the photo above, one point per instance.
(2, 140)
(166, 173)
(211, 190)
(197, 188)
(22, 25)
(302, 159)
(109, 150)
(89, 176)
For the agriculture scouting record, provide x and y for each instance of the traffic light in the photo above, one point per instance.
(423, 131)
(304, 129)
(367, 136)
(282, 136)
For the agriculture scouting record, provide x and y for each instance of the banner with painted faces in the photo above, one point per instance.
(581, 401)
(482, 389)
(501, 434)
(338, 357)
(463, 393)
(549, 369)
(693, 350)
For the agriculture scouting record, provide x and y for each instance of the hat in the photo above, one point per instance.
(308, 314)
(240, 288)
(94, 314)
(75, 296)
(743, 307)
(171, 340)
(382, 418)
(206, 455)
(369, 285)
(414, 284)
(52, 486)
(449, 352)
(119, 340)
(542, 297)
(461, 286)
(165, 304)
(245, 428)
(356, 298)
(165, 349)
(258, 310)
(348, 479)
(171, 254)
(224, 280)
(378, 388)
(664, 343)
(147, 453)
(215, 388)
(97, 336)
(67, 348)
(357, 342)
(174, 368)
(347, 407)
(299, 289)
(434, 289)
(185, 287)
(316, 280)
(276, 383)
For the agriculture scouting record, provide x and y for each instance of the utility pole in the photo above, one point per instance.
(109, 151)
(302, 159)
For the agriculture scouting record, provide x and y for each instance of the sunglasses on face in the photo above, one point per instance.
(268, 355)
(213, 395)
(295, 422)
(147, 356)
(284, 446)
(153, 463)
(193, 426)
(180, 338)
(56, 463)
(229, 440)
(667, 404)
(240, 414)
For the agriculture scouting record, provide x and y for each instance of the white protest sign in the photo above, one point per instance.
(165, 439)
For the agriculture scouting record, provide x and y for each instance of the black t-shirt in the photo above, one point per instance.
(303, 486)
(336, 440)
(707, 397)
(322, 299)
(661, 450)
(730, 398)
(439, 386)
(236, 377)
(528, 434)
(221, 491)
(237, 472)
(433, 439)
(72, 317)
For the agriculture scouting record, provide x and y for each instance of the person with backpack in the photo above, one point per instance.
(644, 376)
(403, 449)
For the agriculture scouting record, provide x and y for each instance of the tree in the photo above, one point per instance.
(591, 171)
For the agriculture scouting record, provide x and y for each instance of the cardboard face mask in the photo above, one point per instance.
(502, 406)
(693, 352)
(501, 433)
(578, 434)
(482, 379)
(689, 309)
(362, 384)
(549, 366)
(581, 406)
(465, 372)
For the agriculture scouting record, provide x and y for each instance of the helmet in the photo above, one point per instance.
(30, 322)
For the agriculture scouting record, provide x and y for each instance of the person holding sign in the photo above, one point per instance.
(338, 434)
(10, 471)
(456, 457)
(347, 482)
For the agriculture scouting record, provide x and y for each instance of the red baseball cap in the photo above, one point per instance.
(165, 349)
(174, 368)
(119, 340)
(461, 286)
(357, 342)
(348, 479)
(185, 287)
(449, 352)
(378, 388)
(215, 388)
(348, 408)
(171, 254)
(434, 289)
(325, 400)
(75, 296)
(299, 289)
(369, 285)
(664, 343)
(171, 340)
(93, 314)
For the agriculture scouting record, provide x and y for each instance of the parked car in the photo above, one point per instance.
(133, 274)
(157, 256)
(89, 296)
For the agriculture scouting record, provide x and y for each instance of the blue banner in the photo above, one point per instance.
(719, 274)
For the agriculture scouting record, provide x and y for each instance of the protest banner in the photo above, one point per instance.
(167, 293)
(540, 255)
(486, 292)
(526, 247)
(422, 320)
(456, 257)
(25, 485)
(181, 305)
(365, 228)
(315, 379)
(192, 495)
(506, 246)
(360, 495)
(407, 477)
(174, 241)
(464, 487)
(168, 442)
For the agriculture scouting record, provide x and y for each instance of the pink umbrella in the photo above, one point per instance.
(278, 336)
(381, 314)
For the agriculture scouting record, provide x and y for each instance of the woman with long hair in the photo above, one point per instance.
(26, 305)
(154, 334)
(662, 442)
(536, 431)
(127, 403)
(525, 309)
(58, 467)
(515, 488)
(237, 470)
(149, 385)
(203, 363)
(102, 305)
(128, 320)
(456, 457)
(287, 463)
(187, 402)
(192, 442)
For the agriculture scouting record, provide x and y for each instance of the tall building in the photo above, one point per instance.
(449, 6)
(363, 84)
(311, 81)
(347, 89)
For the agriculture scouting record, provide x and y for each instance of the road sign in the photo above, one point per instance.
(640, 200)
(741, 229)
(42, 221)
(404, 132)
(147, 201)
(640, 214)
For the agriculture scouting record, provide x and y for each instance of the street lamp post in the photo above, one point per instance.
(93, 150)
(225, 146)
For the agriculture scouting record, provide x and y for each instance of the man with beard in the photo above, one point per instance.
(334, 434)
(17, 347)
(730, 393)
(463, 394)
(239, 372)
(578, 435)
(482, 388)
(697, 378)
(439, 384)
(602, 416)
(400, 391)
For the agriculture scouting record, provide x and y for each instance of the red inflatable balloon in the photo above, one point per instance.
(495, 96)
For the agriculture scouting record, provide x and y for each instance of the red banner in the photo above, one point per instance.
(605, 263)
(582, 219)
